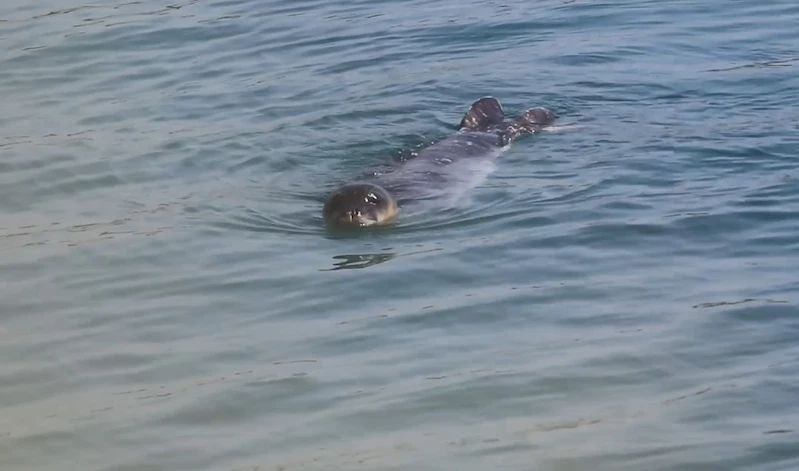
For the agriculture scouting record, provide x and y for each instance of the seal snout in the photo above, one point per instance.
(353, 215)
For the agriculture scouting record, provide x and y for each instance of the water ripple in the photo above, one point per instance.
(172, 300)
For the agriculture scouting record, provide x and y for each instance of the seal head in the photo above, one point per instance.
(359, 205)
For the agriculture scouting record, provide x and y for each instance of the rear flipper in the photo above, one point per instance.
(535, 118)
(527, 122)
(483, 114)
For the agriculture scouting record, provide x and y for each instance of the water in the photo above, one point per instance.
(617, 295)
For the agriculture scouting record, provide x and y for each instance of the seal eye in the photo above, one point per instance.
(372, 198)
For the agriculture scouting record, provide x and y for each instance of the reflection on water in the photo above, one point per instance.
(360, 260)
(368, 259)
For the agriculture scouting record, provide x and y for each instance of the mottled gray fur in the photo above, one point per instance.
(458, 160)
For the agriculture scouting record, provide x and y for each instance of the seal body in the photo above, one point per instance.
(440, 170)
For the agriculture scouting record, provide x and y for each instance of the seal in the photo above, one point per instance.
(454, 162)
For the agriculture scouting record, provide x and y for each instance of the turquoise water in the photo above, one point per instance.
(620, 294)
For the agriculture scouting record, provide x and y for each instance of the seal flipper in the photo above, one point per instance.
(527, 122)
(535, 117)
(483, 114)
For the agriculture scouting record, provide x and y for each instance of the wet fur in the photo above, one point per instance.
(484, 132)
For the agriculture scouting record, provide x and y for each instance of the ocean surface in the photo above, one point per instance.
(621, 293)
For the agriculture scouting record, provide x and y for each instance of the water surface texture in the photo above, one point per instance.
(618, 295)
